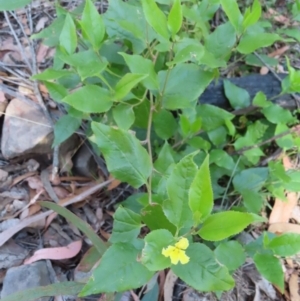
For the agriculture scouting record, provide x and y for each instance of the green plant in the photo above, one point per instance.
(134, 74)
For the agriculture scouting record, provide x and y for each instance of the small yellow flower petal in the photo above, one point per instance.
(175, 255)
(184, 259)
(182, 244)
(168, 251)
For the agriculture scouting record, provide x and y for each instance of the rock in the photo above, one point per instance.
(25, 130)
(3, 175)
(5, 180)
(11, 255)
(84, 162)
(24, 277)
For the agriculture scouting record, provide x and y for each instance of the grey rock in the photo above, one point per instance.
(25, 130)
(24, 277)
(11, 255)
(84, 162)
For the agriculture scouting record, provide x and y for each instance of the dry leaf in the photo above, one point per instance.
(284, 228)
(30, 211)
(296, 214)
(59, 253)
(169, 286)
(115, 183)
(294, 287)
(277, 17)
(84, 193)
(41, 23)
(23, 177)
(278, 52)
(134, 296)
(35, 183)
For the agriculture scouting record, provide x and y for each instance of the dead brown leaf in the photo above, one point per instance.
(277, 17)
(84, 193)
(169, 286)
(59, 253)
(280, 228)
(294, 287)
(115, 183)
(23, 177)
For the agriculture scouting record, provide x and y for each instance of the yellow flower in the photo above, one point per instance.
(177, 252)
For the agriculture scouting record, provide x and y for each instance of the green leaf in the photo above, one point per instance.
(55, 289)
(285, 245)
(287, 141)
(221, 41)
(13, 4)
(92, 24)
(90, 99)
(50, 74)
(165, 124)
(276, 114)
(239, 98)
(270, 268)
(252, 179)
(152, 256)
(254, 40)
(64, 128)
(127, 83)
(154, 217)
(212, 116)
(131, 13)
(203, 272)
(175, 18)
(151, 293)
(80, 224)
(260, 100)
(175, 95)
(87, 63)
(119, 270)
(192, 50)
(123, 115)
(222, 159)
(125, 157)
(253, 16)
(51, 33)
(218, 136)
(141, 113)
(127, 225)
(253, 200)
(233, 13)
(253, 60)
(156, 18)
(224, 224)
(165, 158)
(68, 36)
(56, 91)
(231, 254)
(176, 207)
(141, 65)
(201, 199)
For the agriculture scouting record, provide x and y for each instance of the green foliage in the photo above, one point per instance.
(126, 159)
(127, 225)
(208, 274)
(14, 4)
(220, 226)
(134, 75)
(224, 253)
(270, 268)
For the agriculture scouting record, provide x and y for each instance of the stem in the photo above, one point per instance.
(148, 139)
